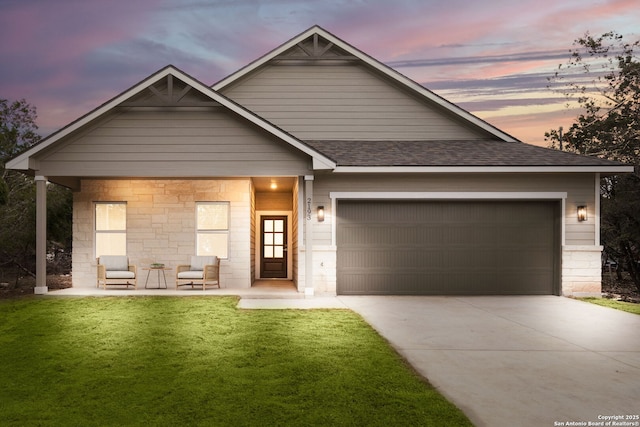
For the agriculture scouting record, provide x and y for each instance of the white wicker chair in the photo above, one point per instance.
(116, 270)
(203, 270)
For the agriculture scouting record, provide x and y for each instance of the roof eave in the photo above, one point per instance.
(485, 169)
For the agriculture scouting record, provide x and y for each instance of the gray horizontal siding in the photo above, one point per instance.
(343, 102)
(173, 143)
(580, 189)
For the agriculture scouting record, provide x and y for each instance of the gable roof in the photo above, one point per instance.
(337, 43)
(25, 161)
(502, 152)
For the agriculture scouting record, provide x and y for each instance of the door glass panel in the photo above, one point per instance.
(278, 252)
(278, 226)
(268, 238)
(268, 225)
(268, 251)
(278, 239)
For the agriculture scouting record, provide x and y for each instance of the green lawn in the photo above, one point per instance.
(618, 305)
(201, 361)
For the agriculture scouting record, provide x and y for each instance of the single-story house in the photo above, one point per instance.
(318, 164)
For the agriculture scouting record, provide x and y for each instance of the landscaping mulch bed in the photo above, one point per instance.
(10, 287)
(619, 289)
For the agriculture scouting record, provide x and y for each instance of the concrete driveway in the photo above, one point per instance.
(517, 361)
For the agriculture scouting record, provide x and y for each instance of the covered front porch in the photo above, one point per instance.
(160, 149)
(169, 220)
(261, 289)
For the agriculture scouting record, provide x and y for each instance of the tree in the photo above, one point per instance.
(603, 77)
(18, 132)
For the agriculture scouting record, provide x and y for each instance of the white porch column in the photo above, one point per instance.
(308, 235)
(41, 235)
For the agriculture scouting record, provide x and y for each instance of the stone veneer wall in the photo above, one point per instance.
(325, 269)
(582, 271)
(161, 225)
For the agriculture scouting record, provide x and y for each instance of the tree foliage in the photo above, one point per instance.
(18, 132)
(603, 77)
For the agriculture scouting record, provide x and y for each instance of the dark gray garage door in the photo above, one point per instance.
(447, 248)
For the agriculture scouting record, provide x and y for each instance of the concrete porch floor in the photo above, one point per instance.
(261, 289)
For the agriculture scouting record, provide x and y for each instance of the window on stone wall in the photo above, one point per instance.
(212, 222)
(111, 228)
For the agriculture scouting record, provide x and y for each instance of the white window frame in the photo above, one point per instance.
(221, 231)
(97, 232)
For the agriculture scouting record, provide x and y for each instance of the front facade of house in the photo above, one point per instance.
(318, 164)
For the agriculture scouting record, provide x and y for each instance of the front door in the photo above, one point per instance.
(273, 241)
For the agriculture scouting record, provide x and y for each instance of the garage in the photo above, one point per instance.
(497, 247)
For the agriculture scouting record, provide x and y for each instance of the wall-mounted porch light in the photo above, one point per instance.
(582, 213)
(320, 213)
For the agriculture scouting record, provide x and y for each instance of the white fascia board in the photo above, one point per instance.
(483, 169)
(19, 163)
(322, 164)
(374, 63)
(447, 195)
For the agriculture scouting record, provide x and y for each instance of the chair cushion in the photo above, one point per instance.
(115, 262)
(198, 262)
(190, 275)
(113, 274)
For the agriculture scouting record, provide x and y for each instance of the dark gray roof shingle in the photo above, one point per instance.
(449, 153)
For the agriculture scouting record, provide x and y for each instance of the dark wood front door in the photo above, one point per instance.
(273, 242)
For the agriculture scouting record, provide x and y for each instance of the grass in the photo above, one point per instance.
(618, 305)
(201, 361)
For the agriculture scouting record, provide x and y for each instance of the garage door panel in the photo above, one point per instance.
(368, 235)
(446, 248)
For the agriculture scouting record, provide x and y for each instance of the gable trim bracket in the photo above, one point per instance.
(26, 161)
(355, 53)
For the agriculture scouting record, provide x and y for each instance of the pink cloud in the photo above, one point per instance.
(68, 56)
(49, 45)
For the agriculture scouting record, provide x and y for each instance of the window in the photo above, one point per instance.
(111, 228)
(212, 222)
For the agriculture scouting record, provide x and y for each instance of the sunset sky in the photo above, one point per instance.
(491, 57)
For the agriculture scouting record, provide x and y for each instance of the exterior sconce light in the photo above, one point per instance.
(320, 213)
(582, 213)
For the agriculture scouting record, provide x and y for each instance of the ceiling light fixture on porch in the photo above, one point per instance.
(582, 213)
(320, 213)
(274, 185)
